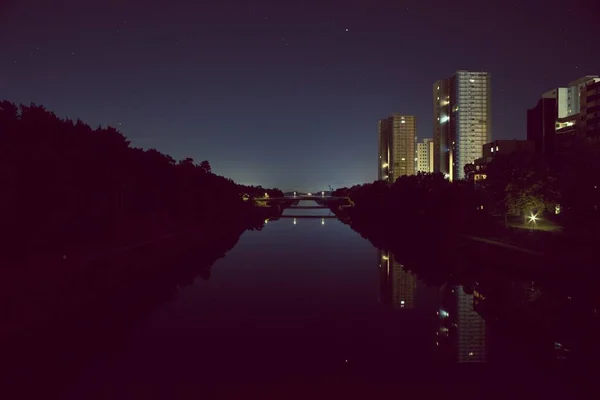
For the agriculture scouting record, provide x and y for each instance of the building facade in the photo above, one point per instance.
(462, 121)
(541, 122)
(589, 119)
(497, 147)
(560, 116)
(425, 156)
(396, 147)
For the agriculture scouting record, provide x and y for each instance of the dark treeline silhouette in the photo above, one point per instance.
(66, 185)
(419, 203)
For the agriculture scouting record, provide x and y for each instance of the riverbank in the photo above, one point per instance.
(553, 245)
(560, 262)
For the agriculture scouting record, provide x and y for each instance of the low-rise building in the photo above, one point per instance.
(494, 149)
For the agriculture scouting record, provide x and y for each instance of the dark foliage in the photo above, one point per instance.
(66, 185)
(425, 202)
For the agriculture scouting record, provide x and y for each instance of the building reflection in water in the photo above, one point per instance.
(461, 334)
(398, 286)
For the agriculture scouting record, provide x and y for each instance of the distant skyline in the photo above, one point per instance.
(284, 94)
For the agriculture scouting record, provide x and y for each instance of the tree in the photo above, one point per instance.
(469, 171)
(579, 180)
(531, 194)
(63, 181)
(205, 166)
(520, 182)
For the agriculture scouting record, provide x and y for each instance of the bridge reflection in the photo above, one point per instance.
(295, 218)
(307, 217)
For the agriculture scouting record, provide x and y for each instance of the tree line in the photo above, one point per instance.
(413, 203)
(63, 181)
(565, 188)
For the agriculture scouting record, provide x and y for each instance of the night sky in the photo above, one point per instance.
(284, 93)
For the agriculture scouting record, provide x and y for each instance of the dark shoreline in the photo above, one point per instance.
(481, 251)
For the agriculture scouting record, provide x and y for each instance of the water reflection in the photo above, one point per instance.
(398, 286)
(462, 333)
(304, 298)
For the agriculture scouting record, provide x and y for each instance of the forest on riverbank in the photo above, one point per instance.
(67, 186)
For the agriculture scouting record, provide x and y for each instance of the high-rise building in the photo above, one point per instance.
(396, 147)
(425, 156)
(462, 121)
(559, 116)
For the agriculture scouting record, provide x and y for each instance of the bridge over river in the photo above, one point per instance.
(290, 204)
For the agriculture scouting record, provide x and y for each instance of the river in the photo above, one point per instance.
(305, 306)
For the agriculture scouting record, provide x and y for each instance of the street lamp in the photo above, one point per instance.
(533, 218)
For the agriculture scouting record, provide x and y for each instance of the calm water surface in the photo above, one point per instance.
(309, 303)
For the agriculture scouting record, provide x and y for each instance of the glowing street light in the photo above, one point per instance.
(533, 218)
(322, 194)
(310, 194)
(294, 221)
(294, 194)
(322, 221)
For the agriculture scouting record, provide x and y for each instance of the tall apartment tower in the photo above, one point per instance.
(462, 121)
(397, 150)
